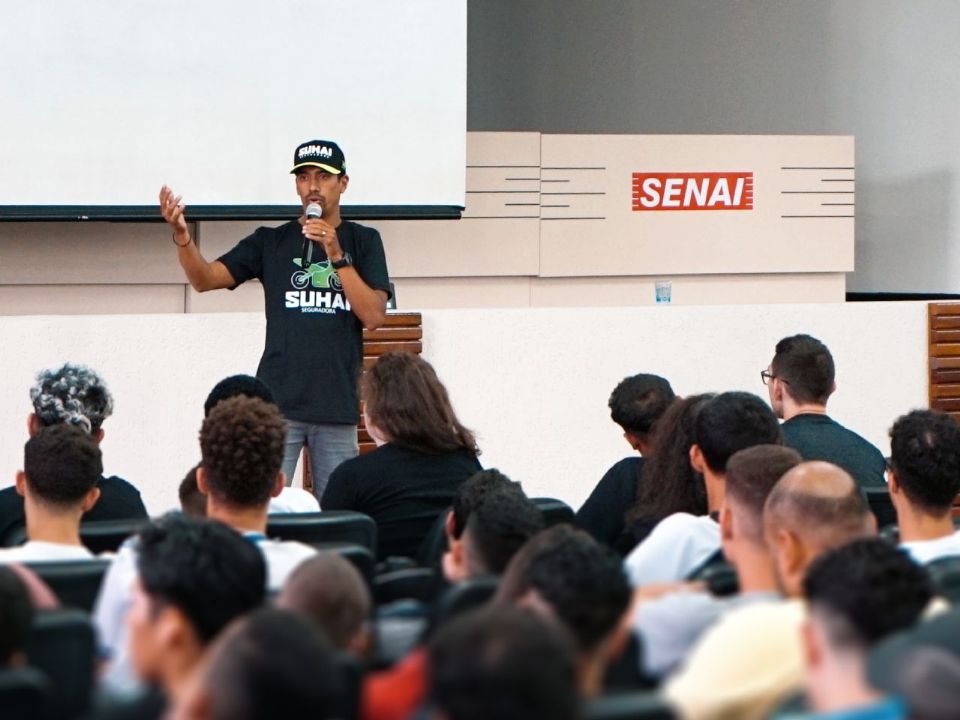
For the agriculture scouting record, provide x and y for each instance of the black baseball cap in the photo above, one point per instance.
(324, 154)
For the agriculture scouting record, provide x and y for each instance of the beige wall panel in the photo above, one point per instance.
(455, 248)
(490, 204)
(428, 293)
(688, 290)
(218, 237)
(764, 239)
(44, 253)
(503, 148)
(246, 298)
(503, 178)
(90, 299)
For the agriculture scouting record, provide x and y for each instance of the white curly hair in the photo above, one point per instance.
(73, 394)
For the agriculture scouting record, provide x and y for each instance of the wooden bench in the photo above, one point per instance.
(943, 341)
(402, 331)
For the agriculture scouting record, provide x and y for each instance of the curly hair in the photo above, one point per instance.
(925, 457)
(637, 402)
(72, 395)
(241, 445)
(867, 589)
(62, 464)
(406, 400)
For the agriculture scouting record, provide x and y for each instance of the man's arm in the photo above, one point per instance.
(366, 303)
(202, 275)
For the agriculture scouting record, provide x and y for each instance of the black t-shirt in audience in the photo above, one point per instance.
(119, 500)
(402, 490)
(602, 514)
(817, 437)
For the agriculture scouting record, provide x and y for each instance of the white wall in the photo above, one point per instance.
(533, 383)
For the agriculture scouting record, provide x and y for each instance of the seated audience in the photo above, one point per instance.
(924, 479)
(497, 520)
(506, 664)
(290, 499)
(241, 445)
(668, 482)
(682, 543)
(800, 380)
(670, 624)
(59, 484)
(268, 664)
(16, 615)
(194, 577)
(751, 659)
(423, 454)
(565, 574)
(329, 590)
(193, 503)
(635, 405)
(856, 595)
(74, 395)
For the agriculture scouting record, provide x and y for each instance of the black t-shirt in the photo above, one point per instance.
(602, 515)
(817, 437)
(402, 490)
(119, 500)
(314, 345)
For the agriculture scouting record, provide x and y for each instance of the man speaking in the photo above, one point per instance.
(324, 280)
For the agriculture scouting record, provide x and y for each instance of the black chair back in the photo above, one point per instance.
(721, 579)
(360, 557)
(75, 582)
(24, 693)
(462, 597)
(629, 706)
(945, 573)
(101, 536)
(554, 511)
(421, 584)
(878, 498)
(61, 644)
(434, 543)
(324, 527)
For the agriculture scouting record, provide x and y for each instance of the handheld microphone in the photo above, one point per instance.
(313, 211)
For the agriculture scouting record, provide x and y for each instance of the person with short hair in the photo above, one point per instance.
(751, 659)
(423, 454)
(670, 624)
(682, 543)
(74, 395)
(856, 595)
(194, 578)
(241, 445)
(325, 280)
(61, 467)
(268, 664)
(193, 503)
(924, 479)
(636, 404)
(800, 379)
(564, 573)
(329, 590)
(503, 663)
(16, 616)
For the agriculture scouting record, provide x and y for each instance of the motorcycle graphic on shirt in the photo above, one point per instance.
(319, 275)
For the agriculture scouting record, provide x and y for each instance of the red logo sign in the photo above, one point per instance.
(693, 191)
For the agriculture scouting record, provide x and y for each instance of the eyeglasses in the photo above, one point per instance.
(766, 377)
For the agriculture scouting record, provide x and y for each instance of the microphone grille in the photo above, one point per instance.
(314, 210)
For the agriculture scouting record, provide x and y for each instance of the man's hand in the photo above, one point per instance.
(172, 210)
(323, 233)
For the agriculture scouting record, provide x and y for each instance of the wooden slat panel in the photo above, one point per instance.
(944, 391)
(945, 322)
(939, 377)
(947, 404)
(403, 319)
(367, 447)
(938, 309)
(944, 363)
(412, 333)
(379, 348)
(945, 336)
(945, 350)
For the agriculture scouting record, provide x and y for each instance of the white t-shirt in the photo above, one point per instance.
(678, 545)
(37, 551)
(113, 601)
(293, 500)
(925, 551)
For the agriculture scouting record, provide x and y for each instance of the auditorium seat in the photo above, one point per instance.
(721, 579)
(434, 544)
(359, 556)
(61, 645)
(629, 706)
(106, 536)
(881, 506)
(464, 596)
(74, 582)
(419, 583)
(554, 511)
(24, 693)
(323, 527)
(945, 573)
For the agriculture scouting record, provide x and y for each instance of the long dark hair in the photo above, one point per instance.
(667, 483)
(405, 399)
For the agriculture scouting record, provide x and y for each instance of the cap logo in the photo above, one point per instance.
(314, 151)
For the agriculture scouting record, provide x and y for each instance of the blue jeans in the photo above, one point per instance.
(329, 445)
